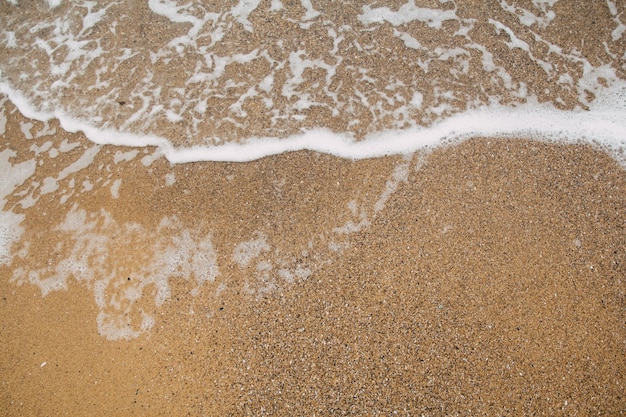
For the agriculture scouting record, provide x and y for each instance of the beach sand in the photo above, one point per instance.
(491, 282)
(480, 278)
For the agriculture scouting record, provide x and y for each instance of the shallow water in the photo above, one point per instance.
(203, 75)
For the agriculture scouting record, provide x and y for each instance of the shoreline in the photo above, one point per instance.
(602, 121)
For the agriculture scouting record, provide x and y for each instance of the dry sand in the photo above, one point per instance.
(491, 283)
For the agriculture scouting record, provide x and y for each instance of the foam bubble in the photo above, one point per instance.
(3, 117)
(407, 13)
(124, 156)
(12, 176)
(276, 5)
(114, 327)
(92, 17)
(620, 28)
(170, 179)
(97, 251)
(171, 10)
(311, 13)
(115, 188)
(245, 252)
(242, 10)
(10, 232)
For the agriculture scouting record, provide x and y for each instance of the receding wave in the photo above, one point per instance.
(198, 76)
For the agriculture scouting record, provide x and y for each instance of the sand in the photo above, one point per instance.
(492, 282)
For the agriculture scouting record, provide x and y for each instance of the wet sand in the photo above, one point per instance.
(492, 282)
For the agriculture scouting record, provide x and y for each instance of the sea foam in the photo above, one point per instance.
(12, 176)
(603, 124)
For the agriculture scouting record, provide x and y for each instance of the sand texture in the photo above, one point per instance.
(492, 282)
(482, 276)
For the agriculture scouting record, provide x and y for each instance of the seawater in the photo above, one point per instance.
(235, 81)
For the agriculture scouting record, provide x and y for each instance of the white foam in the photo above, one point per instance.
(51, 184)
(276, 6)
(351, 226)
(203, 262)
(114, 327)
(242, 10)
(297, 66)
(409, 41)
(620, 28)
(87, 186)
(10, 232)
(311, 13)
(408, 12)
(3, 116)
(173, 12)
(92, 17)
(93, 257)
(25, 127)
(115, 188)
(528, 18)
(67, 146)
(514, 41)
(604, 122)
(12, 177)
(417, 100)
(400, 174)
(246, 251)
(45, 147)
(124, 156)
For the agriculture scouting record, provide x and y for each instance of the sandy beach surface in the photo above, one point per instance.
(492, 282)
(478, 277)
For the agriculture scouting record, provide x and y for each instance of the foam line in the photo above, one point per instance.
(604, 123)
(407, 13)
